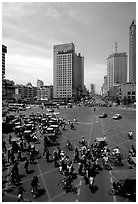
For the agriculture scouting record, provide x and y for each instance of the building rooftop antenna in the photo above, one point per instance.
(115, 47)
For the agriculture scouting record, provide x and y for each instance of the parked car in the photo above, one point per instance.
(103, 115)
(117, 116)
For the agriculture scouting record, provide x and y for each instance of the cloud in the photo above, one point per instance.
(30, 29)
(29, 69)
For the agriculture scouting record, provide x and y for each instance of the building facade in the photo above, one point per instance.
(40, 84)
(105, 86)
(27, 92)
(92, 90)
(132, 52)
(124, 93)
(68, 71)
(4, 50)
(116, 69)
(8, 89)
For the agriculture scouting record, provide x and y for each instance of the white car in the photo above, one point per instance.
(28, 107)
(117, 116)
(50, 110)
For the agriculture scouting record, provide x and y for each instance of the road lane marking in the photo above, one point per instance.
(78, 192)
(102, 126)
(13, 196)
(111, 179)
(84, 123)
(80, 183)
(97, 118)
(116, 144)
(90, 134)
(39, 175)
(48, 194)
(57, 196)
(6, 186)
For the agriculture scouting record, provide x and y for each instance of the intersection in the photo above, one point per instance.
(89, 126)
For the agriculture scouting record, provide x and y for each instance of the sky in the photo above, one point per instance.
(31, 29)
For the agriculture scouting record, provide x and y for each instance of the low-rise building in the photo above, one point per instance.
(27, 92)
(8, 90)
(124, 93)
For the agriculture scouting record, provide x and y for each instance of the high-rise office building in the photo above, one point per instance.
(4, 50)
(105, 85)
(132, 52)
(68, 71)
(116, 69)
(92, 90)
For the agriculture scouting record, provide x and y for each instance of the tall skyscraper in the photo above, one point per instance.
(4, 50)
(116, 69)
(132, 52)
(68, 71)
(92, 90)
(105, 85)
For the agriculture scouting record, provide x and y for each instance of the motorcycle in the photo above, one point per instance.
(130, 135)
(69, 146)
(119, 189)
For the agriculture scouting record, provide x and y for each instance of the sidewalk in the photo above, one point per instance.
(126, 108)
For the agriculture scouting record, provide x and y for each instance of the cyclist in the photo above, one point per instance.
(67, 181)
(20, 193)
(72, 126)
(116, 151)
(130, 134)
(91, 182)
(83, 142)
(75, 120)
(69, 144)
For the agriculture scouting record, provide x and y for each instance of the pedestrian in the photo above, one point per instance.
(24, 148)
(19, 156)
(34, 186)
(26, 165)
(20, 193)
(45, 148)
(10, 138)
(21, 146)
(12, 157)
(4, 148)
(59, 152)
(16, 169)
(31, 157)
(47, 155)
(3, 161)
(91, 183)
(55, 157)
(9, 156)
(80, 168)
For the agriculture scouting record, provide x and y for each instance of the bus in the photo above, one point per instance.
(16, 106)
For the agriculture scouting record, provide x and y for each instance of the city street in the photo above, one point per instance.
(90, 126)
